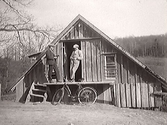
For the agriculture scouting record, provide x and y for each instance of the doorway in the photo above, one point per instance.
(68, 49)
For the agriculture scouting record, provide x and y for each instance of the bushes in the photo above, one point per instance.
(11, 70)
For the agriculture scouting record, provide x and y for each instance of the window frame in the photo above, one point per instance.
(105, 65)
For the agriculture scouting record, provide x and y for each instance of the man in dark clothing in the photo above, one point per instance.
(51, 61)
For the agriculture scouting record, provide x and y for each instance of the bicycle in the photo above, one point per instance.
(84, 95)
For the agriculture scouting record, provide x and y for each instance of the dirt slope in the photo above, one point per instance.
(12, 113)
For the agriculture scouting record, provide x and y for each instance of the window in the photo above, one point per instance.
(110, 66)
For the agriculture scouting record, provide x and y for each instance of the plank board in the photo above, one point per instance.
(83, 61)
(19, 90)
(82, 83)
(118, 69)
(61, 61)
(123, 95)
(107, 94)
(158, 99)
(133, 94)
(151, 96)
(114, 95)
(72, 34)
(138, 95)
(99, 64)
(128, 95)
(117, 95)
(137, 74)
(88, 62)
(125, 70)
(81, 31)
(94, 61)
(76, 32)
(121, 69)
(144, 93)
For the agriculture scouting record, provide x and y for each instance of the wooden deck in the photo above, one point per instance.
(83, 83)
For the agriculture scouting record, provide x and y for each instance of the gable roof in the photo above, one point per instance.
(70, 26)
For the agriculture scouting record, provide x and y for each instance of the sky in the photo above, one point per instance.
(116, 18)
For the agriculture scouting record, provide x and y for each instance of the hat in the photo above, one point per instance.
(51, 45)
(75, 46)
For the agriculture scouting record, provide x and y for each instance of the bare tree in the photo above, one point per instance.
(16, 26)
(20, 37)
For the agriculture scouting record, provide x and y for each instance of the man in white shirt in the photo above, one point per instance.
(75, 58)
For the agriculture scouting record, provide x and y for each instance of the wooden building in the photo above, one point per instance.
(119, 78)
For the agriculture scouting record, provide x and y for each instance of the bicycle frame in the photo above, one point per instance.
(65, 86)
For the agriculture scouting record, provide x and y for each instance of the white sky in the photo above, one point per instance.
(116, 18)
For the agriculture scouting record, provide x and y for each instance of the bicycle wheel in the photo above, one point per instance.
(57, 97)
(87, 95)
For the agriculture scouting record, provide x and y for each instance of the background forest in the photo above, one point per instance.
(154, 46)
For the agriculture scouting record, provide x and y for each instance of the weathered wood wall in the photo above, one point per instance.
(135, 82)
(36, 74)
(134, 85)
(91, 63)
(136, 95)
(93, 60)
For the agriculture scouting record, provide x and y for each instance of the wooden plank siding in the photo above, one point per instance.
(118, 61)
(98, 60)
(128, 95)
(151, 97)
(134, 85)
(138, 95)
(91, 70)
(88, 62)
(37, 74)
(107, 94)
(83, 62)
(117, 90)
(60, 61)
(158, 99)
(123, 95)
(94, 61)
(144, 99)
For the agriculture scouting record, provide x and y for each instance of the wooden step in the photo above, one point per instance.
(43, 85)
(40, 86)
(40, 90)
(35, 95)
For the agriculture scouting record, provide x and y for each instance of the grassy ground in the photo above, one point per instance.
(158, 65)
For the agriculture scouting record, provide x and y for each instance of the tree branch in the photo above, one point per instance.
(8, 3)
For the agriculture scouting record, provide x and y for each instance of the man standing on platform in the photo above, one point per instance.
(51, 61)
(75, 58)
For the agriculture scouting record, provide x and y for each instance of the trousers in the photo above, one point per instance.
(73, 68)
(56, 70)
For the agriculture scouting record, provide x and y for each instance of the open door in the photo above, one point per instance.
(67, 51)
